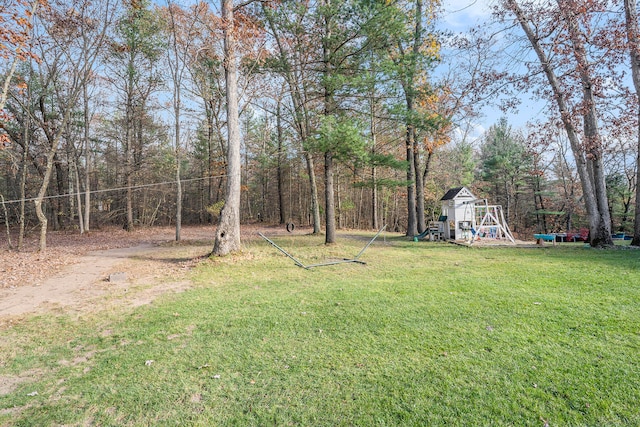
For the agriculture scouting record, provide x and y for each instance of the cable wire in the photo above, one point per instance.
(106, 190)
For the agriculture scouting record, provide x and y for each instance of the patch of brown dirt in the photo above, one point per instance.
(73, 273)
(30, 267)
(10, 383)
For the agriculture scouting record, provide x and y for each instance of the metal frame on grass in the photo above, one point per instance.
(342, 261)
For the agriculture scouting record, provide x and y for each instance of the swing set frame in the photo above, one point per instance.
(489, 218)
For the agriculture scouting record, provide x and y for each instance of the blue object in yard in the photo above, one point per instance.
(421, 235)
(545, 237)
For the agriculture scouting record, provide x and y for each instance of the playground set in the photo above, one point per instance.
(466, 218)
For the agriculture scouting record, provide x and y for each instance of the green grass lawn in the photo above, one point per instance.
(425, 334)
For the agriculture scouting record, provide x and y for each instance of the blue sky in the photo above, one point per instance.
(458, 17)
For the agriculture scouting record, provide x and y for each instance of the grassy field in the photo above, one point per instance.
(425, 334)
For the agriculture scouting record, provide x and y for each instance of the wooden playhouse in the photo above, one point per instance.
(456, 213)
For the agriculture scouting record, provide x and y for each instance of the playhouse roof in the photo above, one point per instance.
(454, 192)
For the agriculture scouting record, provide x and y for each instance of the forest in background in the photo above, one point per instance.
(115, 113)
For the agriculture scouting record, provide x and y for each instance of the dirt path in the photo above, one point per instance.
(73, 275)
(76, 282)
(143, 273)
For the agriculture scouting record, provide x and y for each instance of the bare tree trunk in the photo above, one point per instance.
(178, 179)
(420, 217)
(330, 207)
(6, 222)
(129, 135)
(210, 185)
(54, 141)
(633, 38)
(61, 215)
(228, 232)
(585, 171)
(315, 206)
(538, 202)
(128, 162)
(211, 196)
(357, 222)
(87, 162)
(247, 211)
(425, 173)
(601, 232)
(41, 193)
(412, 222)
(23, 178)
(329, 110)
(374, 199)
(78, 196)
(374, 172)
(178, 195)
(303, 217)
(507, 195)
(279, 164)
(129, 184)
(176, 58)
(413, 192)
